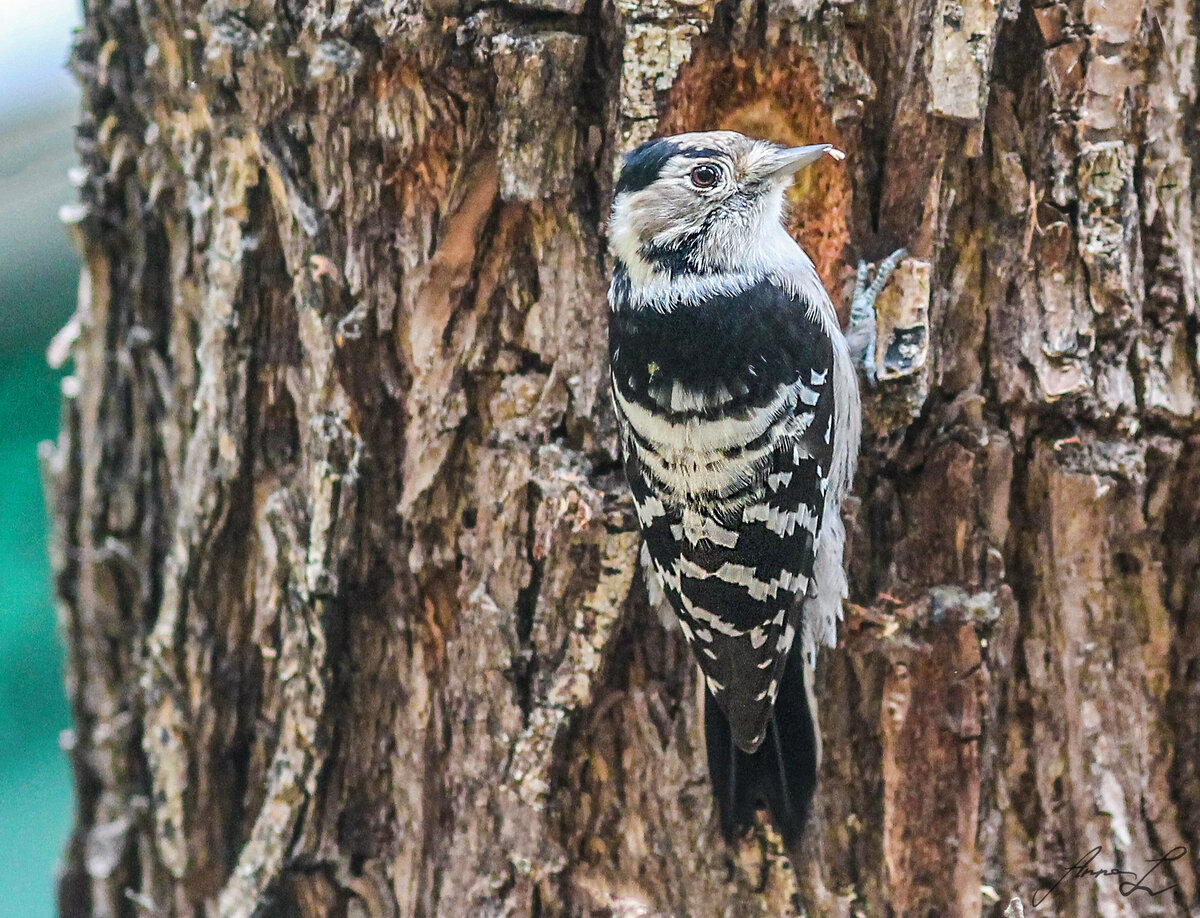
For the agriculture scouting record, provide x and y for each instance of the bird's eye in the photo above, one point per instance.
(706, 176)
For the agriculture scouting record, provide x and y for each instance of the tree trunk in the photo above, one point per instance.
(346, 563)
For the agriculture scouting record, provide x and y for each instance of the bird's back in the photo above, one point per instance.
(727, 419)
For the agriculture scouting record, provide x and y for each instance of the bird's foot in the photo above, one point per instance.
(862, 331)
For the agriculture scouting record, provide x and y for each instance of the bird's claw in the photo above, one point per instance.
(862, 331)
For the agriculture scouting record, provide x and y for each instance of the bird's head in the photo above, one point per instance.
(703, 203)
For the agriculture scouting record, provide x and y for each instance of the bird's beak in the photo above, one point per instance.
(790, 161)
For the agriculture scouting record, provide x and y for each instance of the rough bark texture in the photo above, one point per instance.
(347, 570)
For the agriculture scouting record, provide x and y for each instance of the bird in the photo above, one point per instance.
(738, 415)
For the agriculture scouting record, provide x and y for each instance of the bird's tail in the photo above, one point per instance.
(781, 774)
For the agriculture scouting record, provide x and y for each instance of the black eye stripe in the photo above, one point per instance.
(643, 165)
(701, 153)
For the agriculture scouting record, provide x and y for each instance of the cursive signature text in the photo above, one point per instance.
(1128, 882)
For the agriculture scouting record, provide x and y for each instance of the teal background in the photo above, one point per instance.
(38, 279)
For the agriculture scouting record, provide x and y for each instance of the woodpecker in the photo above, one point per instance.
(738, 414)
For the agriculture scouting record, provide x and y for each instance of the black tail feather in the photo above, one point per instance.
(781, 774)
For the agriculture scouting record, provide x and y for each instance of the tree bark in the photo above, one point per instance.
(346, 565)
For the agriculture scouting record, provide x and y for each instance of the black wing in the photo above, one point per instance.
(735, 551)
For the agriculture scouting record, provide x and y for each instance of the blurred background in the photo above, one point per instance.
(38, 276)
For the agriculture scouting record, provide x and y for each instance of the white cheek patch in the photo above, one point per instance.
(623, 236)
